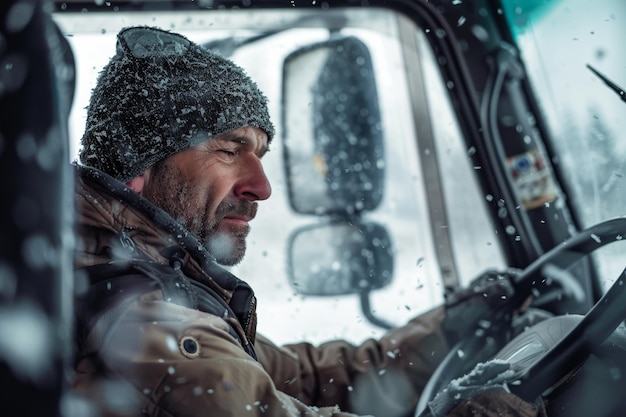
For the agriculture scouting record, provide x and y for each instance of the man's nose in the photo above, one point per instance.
(254, 184)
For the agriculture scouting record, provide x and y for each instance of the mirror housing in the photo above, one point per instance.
(333, 144)
(340, 258)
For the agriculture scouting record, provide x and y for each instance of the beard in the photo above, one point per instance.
(190, 206)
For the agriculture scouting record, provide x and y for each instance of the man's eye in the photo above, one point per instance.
(228, 153)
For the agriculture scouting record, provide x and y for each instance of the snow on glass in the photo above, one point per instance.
(26, 342)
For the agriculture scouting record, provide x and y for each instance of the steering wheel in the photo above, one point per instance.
(489, 338)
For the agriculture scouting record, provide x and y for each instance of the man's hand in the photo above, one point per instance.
(465, 307)
(482, 393)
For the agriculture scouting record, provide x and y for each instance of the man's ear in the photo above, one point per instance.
(138, 183)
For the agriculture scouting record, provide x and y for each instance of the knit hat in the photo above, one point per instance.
(161, 94)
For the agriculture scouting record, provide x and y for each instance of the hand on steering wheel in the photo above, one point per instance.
(466, 306)
(483, 391)
(487, 339)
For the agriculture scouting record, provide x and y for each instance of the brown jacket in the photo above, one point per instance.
(141, 354)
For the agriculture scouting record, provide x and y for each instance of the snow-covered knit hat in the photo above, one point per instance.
(161, 94)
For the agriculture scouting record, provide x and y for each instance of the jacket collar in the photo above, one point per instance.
(117, 223)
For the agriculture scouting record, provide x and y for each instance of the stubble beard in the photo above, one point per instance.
(181, 200)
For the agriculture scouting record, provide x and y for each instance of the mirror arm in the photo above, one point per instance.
(366, 308)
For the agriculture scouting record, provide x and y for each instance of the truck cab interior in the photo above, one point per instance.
(419, 143)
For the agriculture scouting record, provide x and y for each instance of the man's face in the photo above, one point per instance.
(212, 189)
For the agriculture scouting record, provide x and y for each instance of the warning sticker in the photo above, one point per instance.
(532, 179)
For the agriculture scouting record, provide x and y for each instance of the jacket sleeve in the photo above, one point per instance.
(381, 377)
(168, 360)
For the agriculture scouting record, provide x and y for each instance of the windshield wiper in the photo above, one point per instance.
(619, 90)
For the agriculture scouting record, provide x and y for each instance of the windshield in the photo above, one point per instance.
(415, 284)
(561, 42)
(427, 204)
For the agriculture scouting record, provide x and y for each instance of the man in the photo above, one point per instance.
(170, 177)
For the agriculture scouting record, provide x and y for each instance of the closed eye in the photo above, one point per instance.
(228, 155)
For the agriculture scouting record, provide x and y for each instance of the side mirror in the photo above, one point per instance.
(333, 142)
(340, 258)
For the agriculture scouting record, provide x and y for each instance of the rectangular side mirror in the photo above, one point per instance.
(333, 141)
